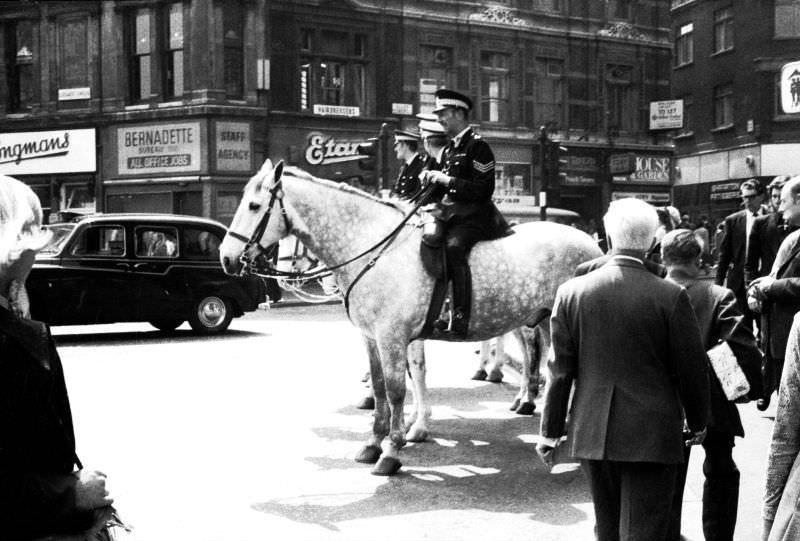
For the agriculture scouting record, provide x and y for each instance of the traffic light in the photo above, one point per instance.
(369, 152)
(556, 164)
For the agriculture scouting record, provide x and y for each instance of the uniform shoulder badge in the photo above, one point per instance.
(482, 167)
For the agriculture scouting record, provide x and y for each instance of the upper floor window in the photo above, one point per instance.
(622, 111)
(548, 102)
(73, 69)
(436, 71)
(684, 45)
(619, 9)
(18, 59)
(233, 54)
(494, 87)
(173, 50)
(688, 114)
(723, 106)
(140, 58)
(787, 19)
(333, 68)
(723, 30)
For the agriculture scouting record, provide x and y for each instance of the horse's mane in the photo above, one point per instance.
(301, 174)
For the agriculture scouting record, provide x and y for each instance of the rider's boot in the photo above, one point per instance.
(461, 300)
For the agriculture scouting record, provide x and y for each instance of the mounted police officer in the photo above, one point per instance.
(406, 144)
(465, 214)
(434, 141)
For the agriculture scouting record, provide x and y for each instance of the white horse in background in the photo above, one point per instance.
(388, 291)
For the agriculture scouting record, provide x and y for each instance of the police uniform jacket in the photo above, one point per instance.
(469, 195)
(408, 182)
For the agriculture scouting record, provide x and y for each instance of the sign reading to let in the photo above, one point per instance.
(666, 115)
(233, 146)
(162, 148)
(790, 88)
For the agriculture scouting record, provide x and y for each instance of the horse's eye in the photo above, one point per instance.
(255, 206)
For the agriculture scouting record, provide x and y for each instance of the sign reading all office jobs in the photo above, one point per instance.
(790, 87)
(233, 146)
(666, 115)
(45, 152)
(161, 148)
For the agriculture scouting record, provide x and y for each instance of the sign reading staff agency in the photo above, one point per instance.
(159, 148)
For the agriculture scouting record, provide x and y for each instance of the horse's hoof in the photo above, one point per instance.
(369, 454)
(367, 403)
(496, 376)
(515, 404)
(417, 435)
(526, 408)
(386, 466)
(480, 375)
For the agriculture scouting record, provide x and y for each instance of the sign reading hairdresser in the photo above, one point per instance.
(162, 148)
(46, 152)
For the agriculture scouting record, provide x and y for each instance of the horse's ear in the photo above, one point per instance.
(278, 171)
(266, 166)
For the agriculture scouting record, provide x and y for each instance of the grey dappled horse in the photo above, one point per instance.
(514, 280)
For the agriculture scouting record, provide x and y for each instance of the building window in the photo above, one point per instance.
(233, 54)
(19, 65)
(723, 30)
(436, 71)
(621, 105)
(140, 55)
(684, 45)
(723, 106)
(548, 92)
(546, 5)
(73, 54)
(173, 50)
(333, 68)
(494, 87)
(787, 19)
(619, 9)
(688, 113)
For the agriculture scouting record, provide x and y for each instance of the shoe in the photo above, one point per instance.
(762, 404)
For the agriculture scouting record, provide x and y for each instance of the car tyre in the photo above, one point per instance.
(211, 314)
(166, 325)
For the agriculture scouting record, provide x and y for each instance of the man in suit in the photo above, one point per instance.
(734, 244)
(630, 343)
(406, 145)
(720, 320)
(778, 293)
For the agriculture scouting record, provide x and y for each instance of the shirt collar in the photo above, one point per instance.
(457, 139)
(628, 257)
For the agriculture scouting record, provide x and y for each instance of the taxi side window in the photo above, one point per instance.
(156, 242)
(201, 244)
(102, 241)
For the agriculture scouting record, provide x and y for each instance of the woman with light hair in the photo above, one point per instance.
(44, 490)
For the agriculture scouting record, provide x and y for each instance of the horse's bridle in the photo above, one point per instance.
(248, 264)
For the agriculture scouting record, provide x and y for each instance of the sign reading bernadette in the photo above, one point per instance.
(162, 148)
(45, 152)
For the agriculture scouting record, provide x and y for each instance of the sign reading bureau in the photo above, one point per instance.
(162, 148)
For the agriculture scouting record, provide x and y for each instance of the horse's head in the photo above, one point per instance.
(259, 223)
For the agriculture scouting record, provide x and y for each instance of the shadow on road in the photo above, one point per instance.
(140, 337)
(482, 461)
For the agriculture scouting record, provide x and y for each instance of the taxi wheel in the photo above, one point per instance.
(166, 325)
(211, 314)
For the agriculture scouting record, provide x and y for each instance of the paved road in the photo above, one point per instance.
(251, 437)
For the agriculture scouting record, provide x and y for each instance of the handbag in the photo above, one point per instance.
(730, 375)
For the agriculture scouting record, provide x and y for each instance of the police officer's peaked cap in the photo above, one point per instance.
(430, 128)
(405, 135)
(451, 98)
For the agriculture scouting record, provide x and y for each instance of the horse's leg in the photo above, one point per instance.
(367, 402)
(371, 452)
(486, 352)
(530, 356)
(393, 352)
(418, 419)
(496, 375)
(545, 351)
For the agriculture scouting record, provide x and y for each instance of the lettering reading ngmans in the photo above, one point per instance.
(34, 149)
(167, 136)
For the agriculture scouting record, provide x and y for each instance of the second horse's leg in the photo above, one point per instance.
(418, 419)
(394, 360)
(370, 453)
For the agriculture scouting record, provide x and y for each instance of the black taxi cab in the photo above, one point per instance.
(158, 268)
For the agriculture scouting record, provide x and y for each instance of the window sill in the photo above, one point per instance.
(18, 115)
(786, 117)
(682, 66)
(683, 136)
(721, 53)
(723, 128)
(140, 107)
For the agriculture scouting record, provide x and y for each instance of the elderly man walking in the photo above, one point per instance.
(630, 343)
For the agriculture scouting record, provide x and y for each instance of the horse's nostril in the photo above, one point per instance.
(226, 261)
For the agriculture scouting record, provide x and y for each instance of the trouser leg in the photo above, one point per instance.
(721, 487)
(646, 491)
(674, 532)
(604, 486)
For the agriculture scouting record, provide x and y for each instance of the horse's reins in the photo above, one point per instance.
(248, 265)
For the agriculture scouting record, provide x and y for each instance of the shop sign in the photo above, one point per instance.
(161, 148)
(233, 146)
(649, 169)
(514, 201)
(336, 110)
(46, 152)
(324, 150)
(666, 115)
(721, 192)
(402, 109)
(622, 164)
(581, 170)
(67, 94)
(790, 87)
(654, 198)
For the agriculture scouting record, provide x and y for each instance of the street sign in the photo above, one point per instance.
(666, 115)
(790, 88)
(622, 164)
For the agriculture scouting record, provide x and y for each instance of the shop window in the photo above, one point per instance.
(787, 19)
(73, 53)
(233, 60)
(19, 61)
(173, 50)
(548, 92)
(436, 70)
(723, 30)
(619, 9)
(494, 87)
(684, 45)
(333, 68)
(621, 103)
(723, 106)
